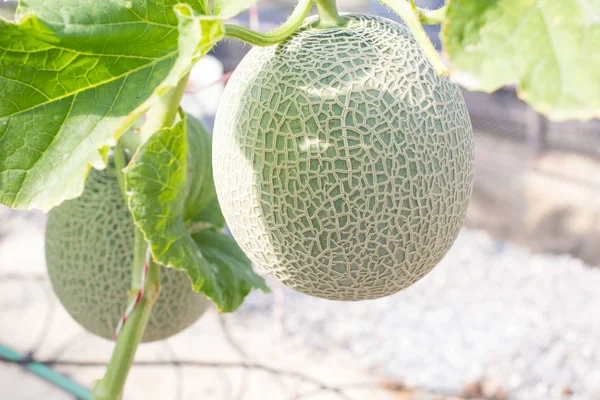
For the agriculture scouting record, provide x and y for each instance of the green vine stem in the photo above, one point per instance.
(287, 29)
(431, 17)
(412, 19)
(162, 114)
(328, 14)
(120, 163)
(111, 386)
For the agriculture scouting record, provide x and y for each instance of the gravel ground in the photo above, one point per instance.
(491, 318)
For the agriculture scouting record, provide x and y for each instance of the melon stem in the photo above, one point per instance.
(112, 385)
(328, 14)
(163, 113)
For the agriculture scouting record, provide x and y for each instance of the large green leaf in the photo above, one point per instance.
(74, 76)
(156, 184)
(550, 48)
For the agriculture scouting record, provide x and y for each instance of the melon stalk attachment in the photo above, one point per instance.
(413, 17)
(280, 34)
(111, 386)
(328, 14)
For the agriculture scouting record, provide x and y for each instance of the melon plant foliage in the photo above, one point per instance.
(549, 48)
(73, 75)
(173, 201)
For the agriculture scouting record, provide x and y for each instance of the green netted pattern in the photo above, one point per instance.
(89, 253)
(343, 163)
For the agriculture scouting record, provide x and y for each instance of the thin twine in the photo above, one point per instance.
(138, 297)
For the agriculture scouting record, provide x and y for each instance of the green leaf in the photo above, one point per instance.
(209, 217)
(74, 76)
(235, 274)
(230, 8)
(156, 184)
(201, 191)
(550, 48)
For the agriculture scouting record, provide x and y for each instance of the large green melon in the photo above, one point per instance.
(89, 254)
(343, 163)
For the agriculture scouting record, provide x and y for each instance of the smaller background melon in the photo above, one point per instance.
(89, 254)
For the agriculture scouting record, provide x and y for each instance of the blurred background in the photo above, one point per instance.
(512, 312)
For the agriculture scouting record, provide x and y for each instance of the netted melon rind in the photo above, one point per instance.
(89, 254)
(343, 163)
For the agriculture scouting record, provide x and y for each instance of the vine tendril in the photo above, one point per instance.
(413, 20)
(280, 34)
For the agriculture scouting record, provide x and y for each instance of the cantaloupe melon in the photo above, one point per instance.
(343, 163)
(89, 254)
